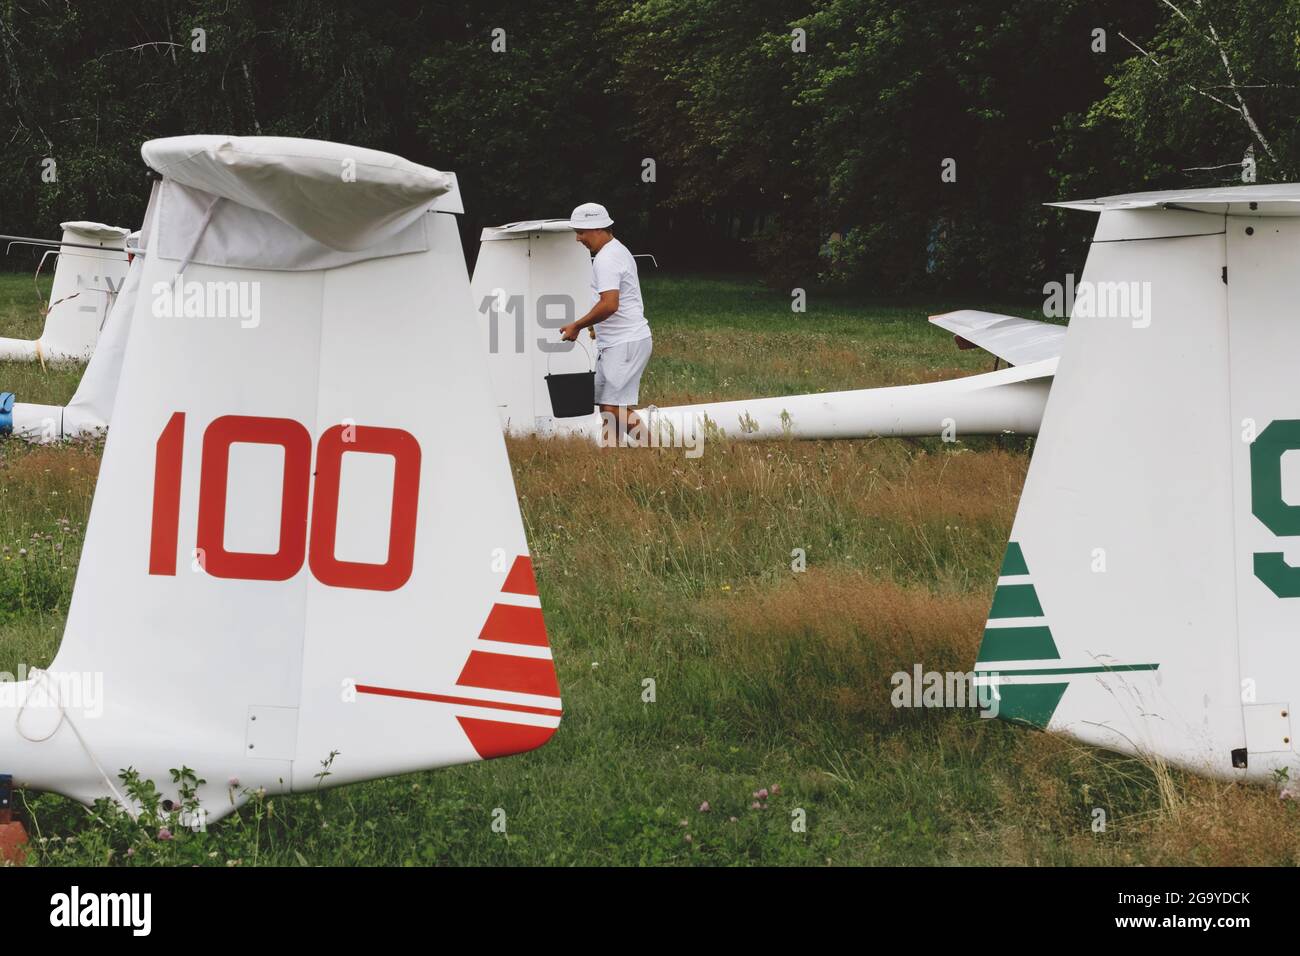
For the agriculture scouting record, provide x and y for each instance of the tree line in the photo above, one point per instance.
(889, 145)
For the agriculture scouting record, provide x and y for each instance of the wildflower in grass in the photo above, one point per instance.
(756, 806)
(775, 788)
(130, 851)
(164, 834)
(704, 807)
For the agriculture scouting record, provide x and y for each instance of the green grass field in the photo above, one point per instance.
(656, 566)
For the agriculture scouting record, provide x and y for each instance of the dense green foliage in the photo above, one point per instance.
(806, 165)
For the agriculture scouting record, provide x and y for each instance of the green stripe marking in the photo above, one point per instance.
(982, 671)
(1015, 600)
(1018, 644)
(1013, 562)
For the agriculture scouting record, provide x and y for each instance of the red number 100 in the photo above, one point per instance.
(295, 491)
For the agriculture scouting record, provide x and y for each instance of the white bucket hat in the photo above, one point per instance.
(590, 215)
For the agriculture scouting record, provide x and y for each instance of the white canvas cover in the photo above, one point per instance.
(530, 279)
(304, 542)
(344, 197)
(86, 282)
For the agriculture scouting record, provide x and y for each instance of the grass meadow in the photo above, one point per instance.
(655, 565)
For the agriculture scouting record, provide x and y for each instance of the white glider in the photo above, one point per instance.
(305, 563)
(1149, 601)
(532, 277)
(88, 273)
(91, 407)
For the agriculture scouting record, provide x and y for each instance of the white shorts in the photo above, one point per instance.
(618, 372)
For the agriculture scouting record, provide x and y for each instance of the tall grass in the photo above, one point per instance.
(771, 685)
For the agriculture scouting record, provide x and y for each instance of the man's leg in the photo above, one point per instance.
(626, 423)
(618, 376)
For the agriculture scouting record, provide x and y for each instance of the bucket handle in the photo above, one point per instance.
(578, 340)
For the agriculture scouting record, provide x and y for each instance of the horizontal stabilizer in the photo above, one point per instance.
(1014, 340)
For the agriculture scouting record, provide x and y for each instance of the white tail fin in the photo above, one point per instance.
(91, 408)
(86, 282)
(1150, 598)
(305, 539)
(530, 279)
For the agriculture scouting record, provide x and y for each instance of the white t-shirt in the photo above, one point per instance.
(614, 268)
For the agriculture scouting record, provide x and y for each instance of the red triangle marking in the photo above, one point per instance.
(516, 625)
(493, 738)
(521, 675)
(520, 580)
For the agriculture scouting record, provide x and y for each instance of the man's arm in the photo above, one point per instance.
(605, 306)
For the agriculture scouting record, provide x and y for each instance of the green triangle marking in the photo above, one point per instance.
(1031, 704)
(1018, 644)
(1015, 600)
(1013, 562)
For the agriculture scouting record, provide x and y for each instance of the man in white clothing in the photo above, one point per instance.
(623, 341)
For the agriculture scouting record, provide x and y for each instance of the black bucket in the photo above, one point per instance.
(573, 394)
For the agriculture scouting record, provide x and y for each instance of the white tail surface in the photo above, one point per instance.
(91, 408)
(305, 544)
(86, 282)
(1013, 339)
(1150, 597)
(530, 279)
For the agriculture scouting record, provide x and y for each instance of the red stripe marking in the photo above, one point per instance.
(465, 701)
(492, 738)
(520, 580)
(523, 675)
(516, 625)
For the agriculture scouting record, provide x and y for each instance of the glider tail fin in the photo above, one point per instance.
(1149, 594)
(305, 563)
